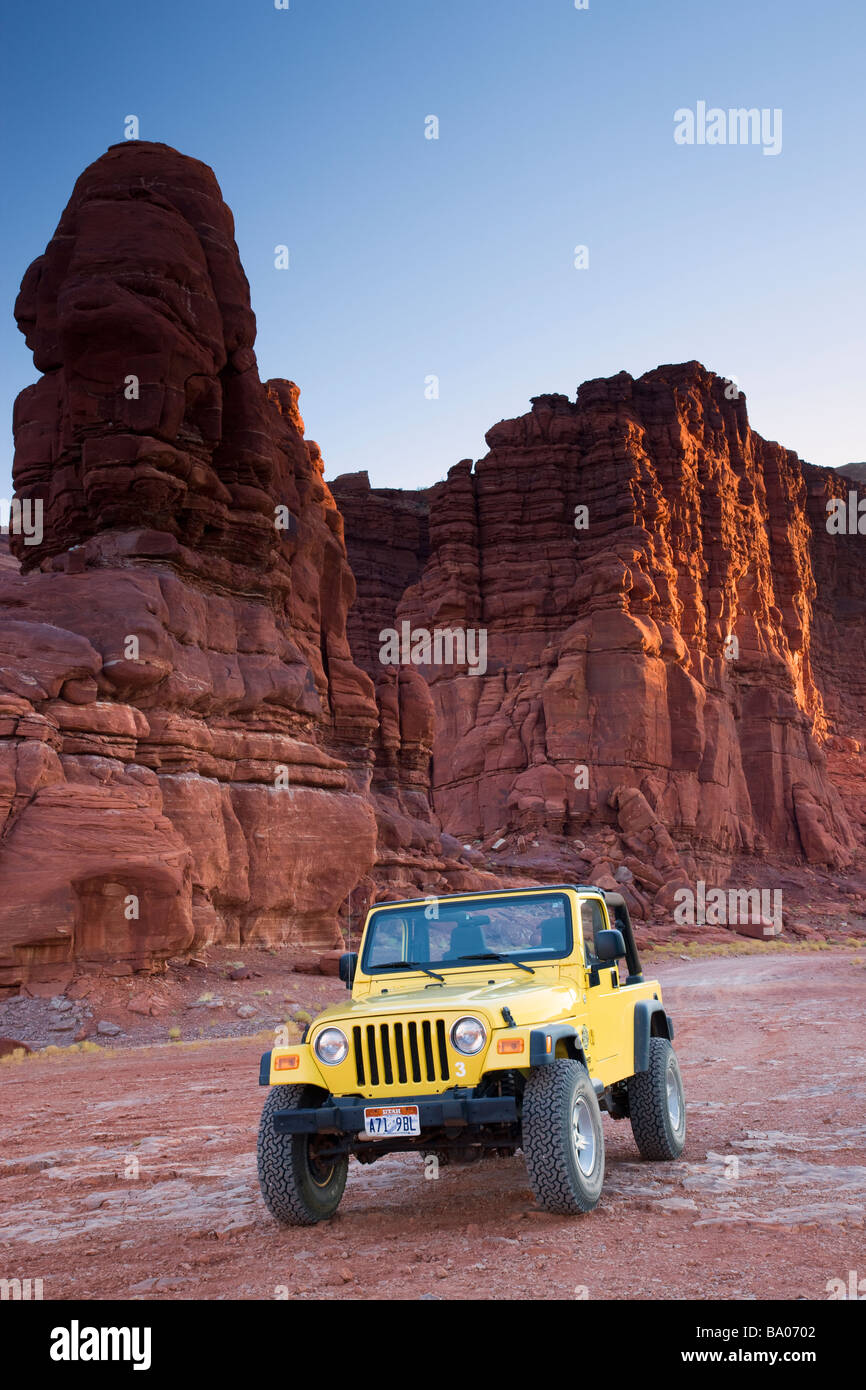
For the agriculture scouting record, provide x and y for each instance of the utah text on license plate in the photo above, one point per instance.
(389, 1121)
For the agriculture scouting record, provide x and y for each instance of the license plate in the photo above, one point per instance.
(392, 1121)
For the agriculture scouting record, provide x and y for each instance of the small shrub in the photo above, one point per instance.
(11, 1059)
(53, 1053)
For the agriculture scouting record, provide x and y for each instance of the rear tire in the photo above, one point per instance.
(298, 1189)
(562, 1138)
(657, 1104)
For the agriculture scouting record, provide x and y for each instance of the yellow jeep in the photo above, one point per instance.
(478, 1023)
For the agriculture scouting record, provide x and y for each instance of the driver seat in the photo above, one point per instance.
(466, 940)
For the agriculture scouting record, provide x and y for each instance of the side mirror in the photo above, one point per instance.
(609, 945)
(348, 966)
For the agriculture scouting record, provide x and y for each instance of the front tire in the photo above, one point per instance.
(562, 1138)
(657, 1104)
(298, 1188)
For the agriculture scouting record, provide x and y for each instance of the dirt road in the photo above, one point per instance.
(132, 1175)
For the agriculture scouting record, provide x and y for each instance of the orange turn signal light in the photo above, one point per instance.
(548, 1043)
(509, 1045)
(288, 1063)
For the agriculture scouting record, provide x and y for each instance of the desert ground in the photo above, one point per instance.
(128, 1171)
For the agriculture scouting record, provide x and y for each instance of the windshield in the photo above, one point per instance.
(444, 934)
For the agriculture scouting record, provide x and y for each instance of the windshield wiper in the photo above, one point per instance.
(495, 955)
(407, 965)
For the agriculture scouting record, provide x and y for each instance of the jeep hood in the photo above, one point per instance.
(541, 1002)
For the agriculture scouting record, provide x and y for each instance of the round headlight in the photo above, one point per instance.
(468, 1035)
(331, 1046)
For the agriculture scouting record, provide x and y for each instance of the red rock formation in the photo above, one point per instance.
(186, 741)
(838, 630)
(386, 538)
(387, 541)
(195, 747)
(692, 641)
(387, 534)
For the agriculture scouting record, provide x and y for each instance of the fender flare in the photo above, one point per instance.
(539, 1056)
(647, 1025)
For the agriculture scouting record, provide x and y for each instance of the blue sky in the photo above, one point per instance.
(454, 257)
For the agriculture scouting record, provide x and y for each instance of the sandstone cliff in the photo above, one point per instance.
(186, 743)
(199, 740)
(676, 643)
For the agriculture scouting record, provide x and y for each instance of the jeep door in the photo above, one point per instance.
(608, 1024)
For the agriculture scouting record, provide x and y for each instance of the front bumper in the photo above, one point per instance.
(439, 1112)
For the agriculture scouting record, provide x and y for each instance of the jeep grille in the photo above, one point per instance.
(389, 1053)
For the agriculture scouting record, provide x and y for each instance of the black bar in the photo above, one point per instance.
(349, 1118)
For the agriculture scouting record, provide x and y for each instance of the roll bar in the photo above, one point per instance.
(618, 909)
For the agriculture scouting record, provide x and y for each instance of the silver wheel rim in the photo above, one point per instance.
(674, 1107)
(583, 1136)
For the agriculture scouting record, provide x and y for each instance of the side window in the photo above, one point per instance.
(592, 916)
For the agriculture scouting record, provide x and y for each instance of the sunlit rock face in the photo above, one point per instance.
(676, 645)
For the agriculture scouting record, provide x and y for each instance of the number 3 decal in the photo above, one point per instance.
(460, 1068)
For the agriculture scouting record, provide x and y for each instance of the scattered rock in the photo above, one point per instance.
(141, 1006)
(329, 962)
(761, 930)
(307, 963)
